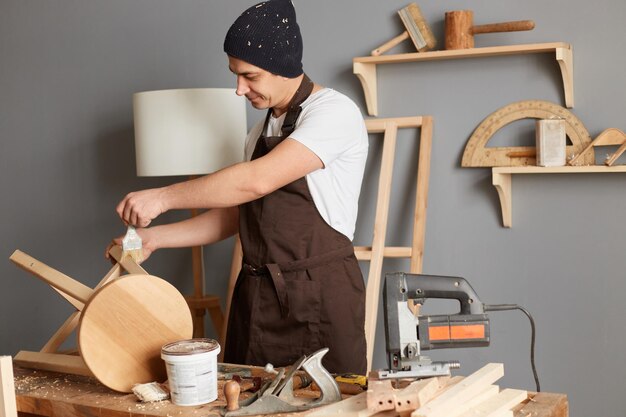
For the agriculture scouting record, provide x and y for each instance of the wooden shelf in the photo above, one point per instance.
(365, 67)
(501, 179)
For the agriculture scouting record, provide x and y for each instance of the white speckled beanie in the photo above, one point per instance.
(267, 36)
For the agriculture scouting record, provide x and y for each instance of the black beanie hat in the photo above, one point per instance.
(267, 36)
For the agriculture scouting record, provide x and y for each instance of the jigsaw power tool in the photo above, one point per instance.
(407, 333)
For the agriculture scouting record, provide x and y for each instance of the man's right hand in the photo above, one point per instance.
(139, 208)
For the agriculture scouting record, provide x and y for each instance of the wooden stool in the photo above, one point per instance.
(121, 324)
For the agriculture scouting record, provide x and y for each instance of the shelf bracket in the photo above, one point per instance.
(566, 62)
(366, 72)
(502, 182)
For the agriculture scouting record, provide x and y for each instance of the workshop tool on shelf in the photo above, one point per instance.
(277, 396)
(608, 137)
(460, 29)
(416, 28)
(407, 334)
(377, 250)
(121, 324)
(478, 154)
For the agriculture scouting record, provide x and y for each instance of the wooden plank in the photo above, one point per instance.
(55, 362)
(488, 393)
(499, 404)
(8, 407)
(53, 277)
(461, 392)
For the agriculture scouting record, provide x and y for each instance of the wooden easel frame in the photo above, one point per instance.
(49, 358)
(378, 251)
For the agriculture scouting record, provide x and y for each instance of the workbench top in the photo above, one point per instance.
(63, 395)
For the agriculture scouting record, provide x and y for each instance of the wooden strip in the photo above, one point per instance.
(127, 262)
(364, 253)
(53, 277)
(372, 292)
(421, 196)
(8, 407)
(380, 125)
(53, 362)
(465, 390)
(499, 404)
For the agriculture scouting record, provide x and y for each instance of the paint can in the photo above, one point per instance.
(191, 366)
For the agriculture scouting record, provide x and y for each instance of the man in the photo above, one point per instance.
(293, 202)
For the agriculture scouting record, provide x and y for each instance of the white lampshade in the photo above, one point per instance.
(191, 131)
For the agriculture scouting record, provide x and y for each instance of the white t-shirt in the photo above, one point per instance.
(331, 126)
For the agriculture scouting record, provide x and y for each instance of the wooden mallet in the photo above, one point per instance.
(460, 29)
(416, 28)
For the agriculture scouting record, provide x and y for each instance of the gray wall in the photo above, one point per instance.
(67, 73)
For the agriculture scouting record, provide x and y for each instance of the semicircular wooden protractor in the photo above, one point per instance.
(124, 325)
(477, 154)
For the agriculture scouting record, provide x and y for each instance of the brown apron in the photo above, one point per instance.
(300, 287)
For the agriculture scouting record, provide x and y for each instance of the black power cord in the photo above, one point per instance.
(506, 307)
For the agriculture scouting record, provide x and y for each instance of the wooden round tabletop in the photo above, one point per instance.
(124, 325)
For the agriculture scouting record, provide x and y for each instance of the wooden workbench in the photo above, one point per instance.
(63, 395)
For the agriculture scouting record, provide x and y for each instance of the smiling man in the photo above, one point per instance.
(293, 201)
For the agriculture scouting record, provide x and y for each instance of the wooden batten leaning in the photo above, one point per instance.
(378, 251)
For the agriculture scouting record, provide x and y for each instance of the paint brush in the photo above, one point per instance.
(131, 245)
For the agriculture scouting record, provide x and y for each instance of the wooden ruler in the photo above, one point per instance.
(477, 154)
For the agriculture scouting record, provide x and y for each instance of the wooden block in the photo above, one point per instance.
(550, 142)
(8, 407)
(498, 404)
(543, 404)
(417, 394)
(463, 391)
(380, 396)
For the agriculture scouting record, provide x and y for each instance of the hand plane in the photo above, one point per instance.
(407, 334)
(278, 397)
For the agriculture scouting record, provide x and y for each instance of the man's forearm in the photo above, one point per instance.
(228, 187)
(208, 227)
